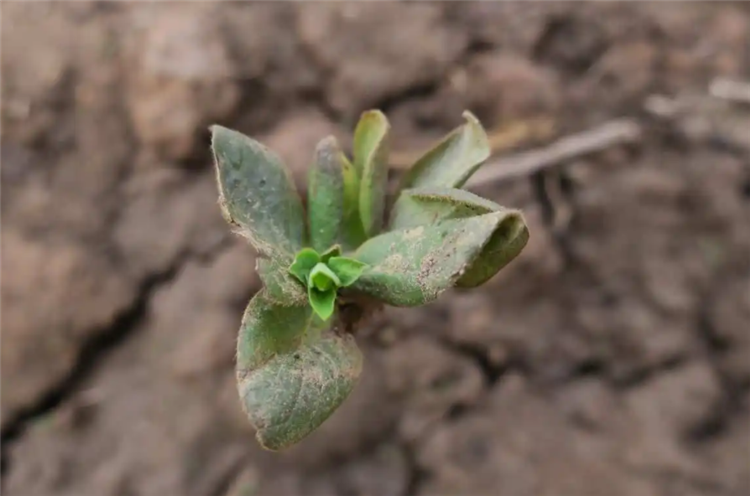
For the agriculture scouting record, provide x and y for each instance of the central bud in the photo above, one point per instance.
(323, 274)
(323, 278)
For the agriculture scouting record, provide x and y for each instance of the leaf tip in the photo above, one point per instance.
(329, 141)
(482, 142)
(469, 116)
(219, 131)
(374, 115)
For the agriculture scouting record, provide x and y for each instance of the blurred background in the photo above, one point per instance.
(612, 357)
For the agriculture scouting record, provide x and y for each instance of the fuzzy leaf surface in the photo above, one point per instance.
(428, 205)
(256, 193)
(371, 163)
(292, 394)
(325, 199)
(280, 285)
(413, 266)
(425, 206)
(268, 329)
(453, 160)
(291, 376)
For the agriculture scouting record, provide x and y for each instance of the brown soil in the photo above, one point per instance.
(612, 358)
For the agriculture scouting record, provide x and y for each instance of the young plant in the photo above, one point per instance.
(325, 269)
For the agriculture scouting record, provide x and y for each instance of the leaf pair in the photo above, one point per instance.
(346, 200)
(365, 180)
(441, 236)
(323, 275)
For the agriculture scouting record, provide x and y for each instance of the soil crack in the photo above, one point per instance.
(95, 351)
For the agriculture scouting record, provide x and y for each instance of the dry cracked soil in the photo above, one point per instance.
(611, 358)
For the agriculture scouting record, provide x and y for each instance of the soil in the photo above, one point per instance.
(613, 357)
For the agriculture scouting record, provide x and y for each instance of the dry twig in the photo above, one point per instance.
(612, 133)
(733, 91)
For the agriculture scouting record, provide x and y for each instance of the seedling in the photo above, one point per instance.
(327, 268)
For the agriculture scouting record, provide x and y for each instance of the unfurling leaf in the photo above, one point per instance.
(348, 270)
(291, 377)
(304, 262)
(322, 278)
(452, 161)
(425, 206)
(371, 164)
(333, 251)
(413, 266)
(256, 193)
(326, 194)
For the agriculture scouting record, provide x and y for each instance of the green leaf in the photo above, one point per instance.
(290, 376)
(352, 232)
(425, 206)
(428, 205)
(453, 160)
(506, 243)
(412, 267)
(295, 392)
(325, 199)
(371, 163)
(323, 302)
(256, 193)
(304, 261)
(279, 283)
(348, 270)
(333, 251)
(322, 278)
(269, 328)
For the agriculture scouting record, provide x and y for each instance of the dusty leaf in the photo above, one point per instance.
(280, 285)
(507, 242)
(325, 199)
(413, 266)
(256, 193)
(293, 392)
(268, 329)
(371, 163)
(453, 160)
(425, 206)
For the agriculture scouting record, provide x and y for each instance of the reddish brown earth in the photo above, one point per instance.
(612, 358)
